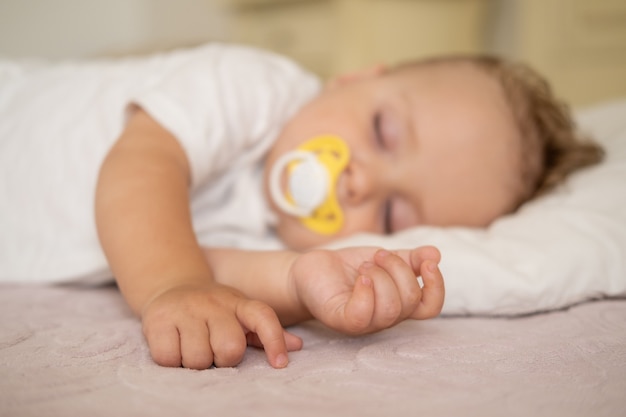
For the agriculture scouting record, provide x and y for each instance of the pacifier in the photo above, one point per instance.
(312, 172)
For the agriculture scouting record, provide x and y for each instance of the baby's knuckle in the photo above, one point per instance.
(229, 353)
(413, 296)
(390, 313)
(157, 314)
(151, 328)
(166, 357)
(356, 325)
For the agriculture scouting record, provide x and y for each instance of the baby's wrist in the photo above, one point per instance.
(299, 310)
(181, 286)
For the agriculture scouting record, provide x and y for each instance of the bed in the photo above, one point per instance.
(534, 324)
(69, 351)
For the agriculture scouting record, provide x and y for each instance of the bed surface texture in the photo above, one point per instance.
(76, 351)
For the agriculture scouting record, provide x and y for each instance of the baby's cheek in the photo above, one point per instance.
(404, 216)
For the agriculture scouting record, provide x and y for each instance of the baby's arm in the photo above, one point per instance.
(354, 290)
(144, 224)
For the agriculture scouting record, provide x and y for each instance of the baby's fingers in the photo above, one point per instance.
(433, 293)
(359, 309)
(421, 254)
(164, 343)
(195, 348)
(292, 341)
(259, 318)
(403, 276)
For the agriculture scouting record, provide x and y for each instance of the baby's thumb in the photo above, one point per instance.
(292, 341)
(359, 309)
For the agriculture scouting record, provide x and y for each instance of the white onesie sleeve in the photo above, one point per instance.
(226, 102)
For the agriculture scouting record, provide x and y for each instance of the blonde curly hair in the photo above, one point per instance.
(552, 145)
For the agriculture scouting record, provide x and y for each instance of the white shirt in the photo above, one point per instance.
(225, 105)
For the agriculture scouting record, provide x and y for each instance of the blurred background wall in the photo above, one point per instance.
(580, 45)
(89, 28)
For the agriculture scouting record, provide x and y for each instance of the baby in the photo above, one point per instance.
(198, 147)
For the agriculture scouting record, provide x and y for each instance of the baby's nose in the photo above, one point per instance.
(357, 183)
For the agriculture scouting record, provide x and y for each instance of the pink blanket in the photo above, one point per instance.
(71, 351)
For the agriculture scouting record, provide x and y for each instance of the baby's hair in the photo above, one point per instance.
(552, 146)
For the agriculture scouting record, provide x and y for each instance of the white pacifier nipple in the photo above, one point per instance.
(307, 184)
(312, 174)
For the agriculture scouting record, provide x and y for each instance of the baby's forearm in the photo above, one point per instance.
(142, 214)
(260, 275)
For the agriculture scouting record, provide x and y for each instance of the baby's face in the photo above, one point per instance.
(434, 145)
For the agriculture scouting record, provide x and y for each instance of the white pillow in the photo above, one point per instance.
(561, 249)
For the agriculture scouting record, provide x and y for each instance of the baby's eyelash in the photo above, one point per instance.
(377, 130)
(387, 218)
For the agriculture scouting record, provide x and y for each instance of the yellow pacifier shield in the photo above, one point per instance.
(334, 155)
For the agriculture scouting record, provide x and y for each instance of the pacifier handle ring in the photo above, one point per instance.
(275, 182)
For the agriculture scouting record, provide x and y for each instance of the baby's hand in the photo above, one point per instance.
(198, 327)
(363, 290)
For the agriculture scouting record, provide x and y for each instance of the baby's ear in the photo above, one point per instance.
(362, 74)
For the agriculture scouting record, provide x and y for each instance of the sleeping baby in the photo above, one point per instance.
(169, 173)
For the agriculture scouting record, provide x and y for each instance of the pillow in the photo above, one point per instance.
(564, 248)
